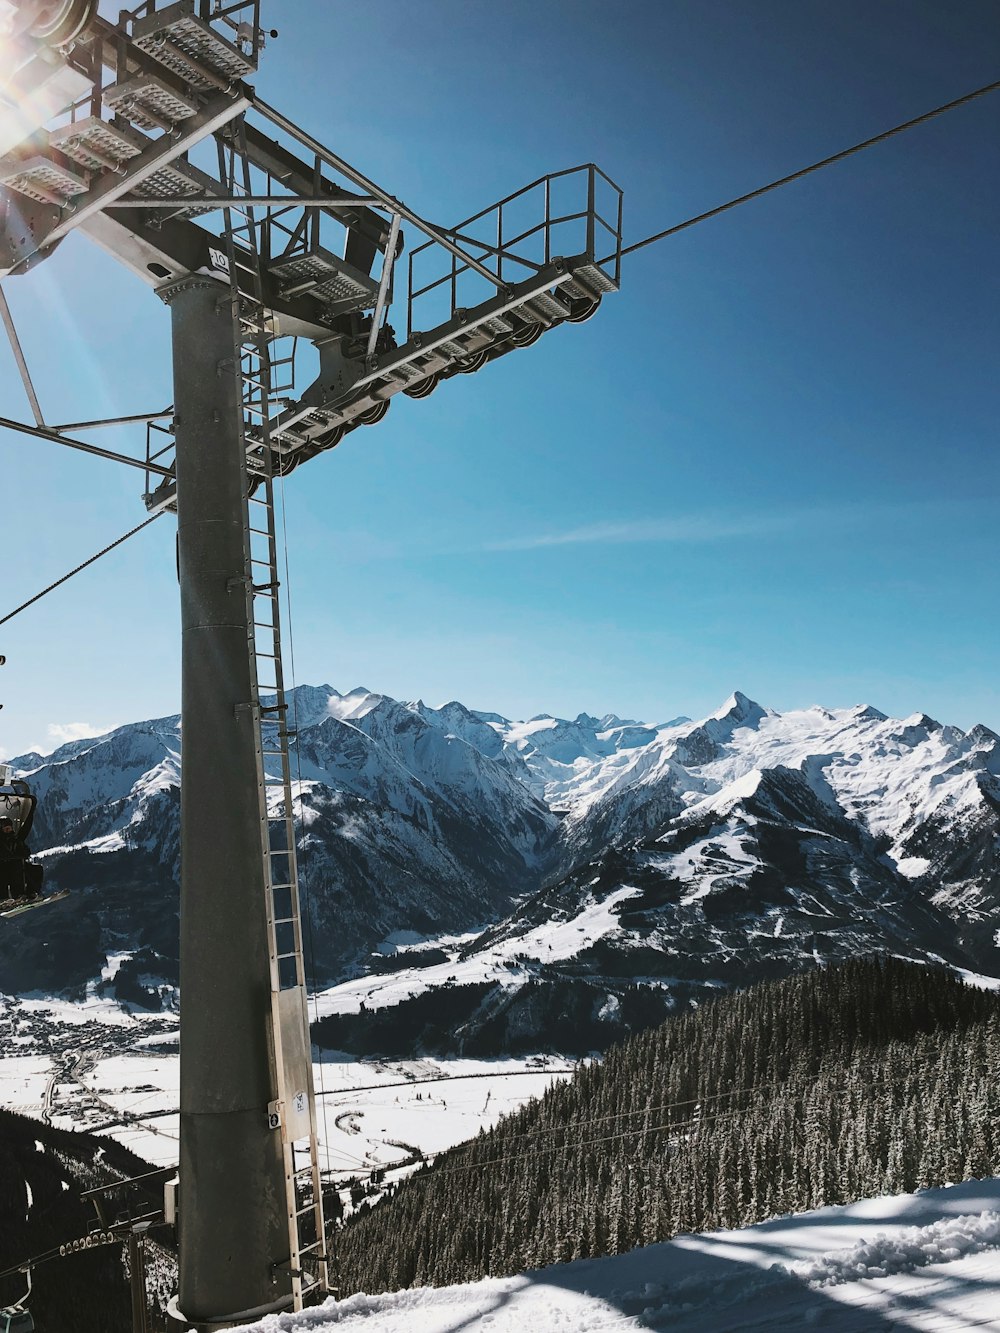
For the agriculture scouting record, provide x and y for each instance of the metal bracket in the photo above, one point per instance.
(383, 287)
(285, 1266)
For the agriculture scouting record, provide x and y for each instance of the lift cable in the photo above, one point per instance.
(349, 1092)
(628, 250)
(692, 1124)
(806, 171)
(104, 551)
(302, 858)
(60, 1252)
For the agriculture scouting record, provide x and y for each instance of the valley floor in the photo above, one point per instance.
(96, 1067)
(928, 1262)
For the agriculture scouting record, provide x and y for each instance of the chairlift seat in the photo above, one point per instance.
(17, 806)
(15, 1320)
(20, 879)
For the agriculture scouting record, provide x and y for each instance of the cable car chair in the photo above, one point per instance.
(19, 878)
(15, 1318)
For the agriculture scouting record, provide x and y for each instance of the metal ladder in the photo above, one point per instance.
(293, 1111)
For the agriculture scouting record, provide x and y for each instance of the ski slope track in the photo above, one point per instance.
(541, 868)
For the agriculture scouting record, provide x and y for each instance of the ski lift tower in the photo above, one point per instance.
(146, 136)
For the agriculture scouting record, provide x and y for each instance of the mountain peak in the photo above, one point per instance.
(981, 732)
(739, 709)
(868, 713)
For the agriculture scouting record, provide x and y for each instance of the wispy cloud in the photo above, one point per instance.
(718, 526)
(61, 732)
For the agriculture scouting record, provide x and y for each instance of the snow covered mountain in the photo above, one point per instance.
(584, 853)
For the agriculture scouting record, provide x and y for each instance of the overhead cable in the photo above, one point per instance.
(692, 1124)
(805, 171)
(44, 433)
(52, 586)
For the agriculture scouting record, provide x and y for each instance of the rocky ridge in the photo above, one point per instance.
(683, 855)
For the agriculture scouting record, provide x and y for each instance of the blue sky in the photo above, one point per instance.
(769, 463)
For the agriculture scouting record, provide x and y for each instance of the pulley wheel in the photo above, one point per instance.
(55, 21)
(582, 309)
(423, 388)
(472, 363)
(374, 414)
(527, 334)
(330, 440)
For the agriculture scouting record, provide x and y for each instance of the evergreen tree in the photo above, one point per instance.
(874, 1076)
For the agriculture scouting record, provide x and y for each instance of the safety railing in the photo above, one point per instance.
(577, 212)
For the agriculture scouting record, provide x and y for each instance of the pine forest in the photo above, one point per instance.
(878, 1076)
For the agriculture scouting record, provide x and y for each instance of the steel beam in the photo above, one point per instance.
(136, 417)
(383, 286)
(22, 365)
(44, 433)
(216, 113)
(232, 1224)
(367, 231)
(369, 186)
(242, 201)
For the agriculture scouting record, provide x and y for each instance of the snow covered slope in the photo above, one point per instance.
(594, 851)
(928, 1262)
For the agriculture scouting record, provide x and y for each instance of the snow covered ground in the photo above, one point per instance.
(88, 1067)
(370, 1115)
(499, 962)
(927, 1262)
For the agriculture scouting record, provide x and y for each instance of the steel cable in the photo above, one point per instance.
(52, 586)
(806, 171)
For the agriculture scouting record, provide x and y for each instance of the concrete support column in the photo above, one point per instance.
(231, 1215)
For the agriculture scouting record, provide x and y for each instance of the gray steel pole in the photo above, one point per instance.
(137, 1274)
(231, 1216)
